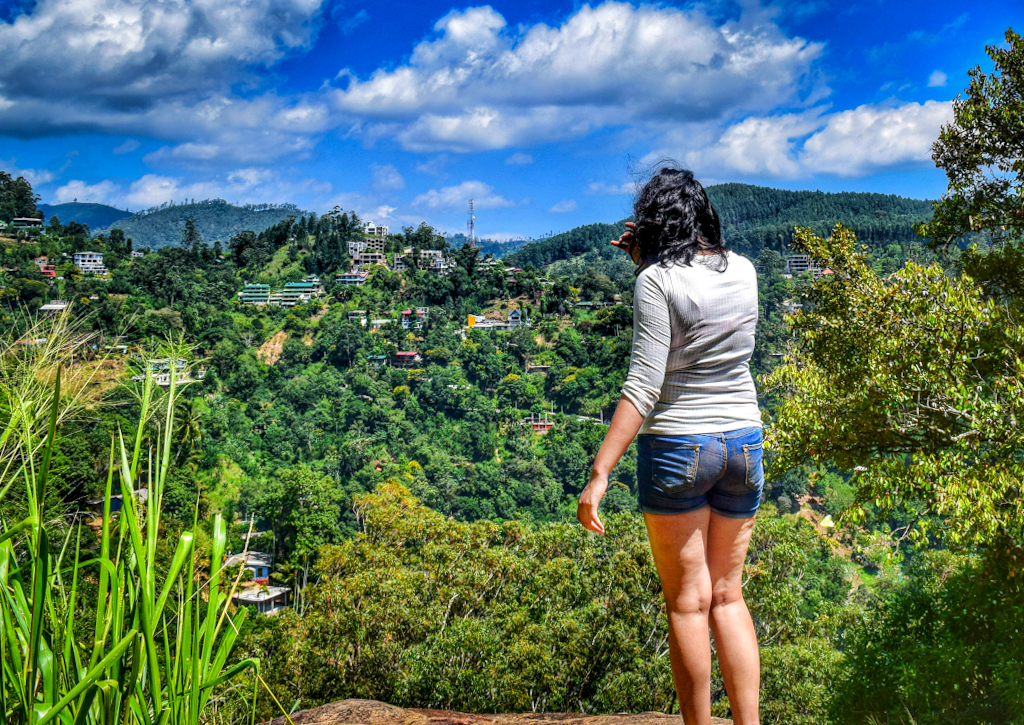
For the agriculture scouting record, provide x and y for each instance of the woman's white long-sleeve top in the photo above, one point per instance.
(693, 335)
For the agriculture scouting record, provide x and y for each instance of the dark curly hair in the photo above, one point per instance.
(675, 220)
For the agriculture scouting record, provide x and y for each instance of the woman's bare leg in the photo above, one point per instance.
(735, 638)
(679, 543)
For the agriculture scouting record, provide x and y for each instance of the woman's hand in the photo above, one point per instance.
(627, 242)
(591, 496)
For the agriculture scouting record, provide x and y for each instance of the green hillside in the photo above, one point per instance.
(94, 216)
(214, 218)
(758, 217)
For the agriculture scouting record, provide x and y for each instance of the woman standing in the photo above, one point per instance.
(690, 395)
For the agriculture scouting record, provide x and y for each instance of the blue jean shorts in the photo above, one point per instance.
(676, 474)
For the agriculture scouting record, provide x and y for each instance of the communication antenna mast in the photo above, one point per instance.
(472, 225)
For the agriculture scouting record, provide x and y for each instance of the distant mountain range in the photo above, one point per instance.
(756, 218)
(95, 216)
(753, 218)
(215, 219)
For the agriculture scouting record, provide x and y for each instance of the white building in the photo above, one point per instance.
(90, 262)
(375, 230)
(357, 279)
(432, 259)
(266, 600)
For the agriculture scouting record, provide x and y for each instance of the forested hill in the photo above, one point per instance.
(214, 218)
(94, 216)
(755, 217)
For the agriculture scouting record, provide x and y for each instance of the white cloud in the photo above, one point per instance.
(455, 197)
(480, 85)
(755, 146)
(77, 190)
(858, 142)
(32, 176)
(246, 185)
(163, 69)
(869, 139)
(565, 205)
(387, 178)
(604, 188)
(351, 23)
(119, 53)
(433, 166)
(937, 79)
(519, 159)
(127, 147)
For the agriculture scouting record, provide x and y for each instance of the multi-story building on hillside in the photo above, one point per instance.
(364, 260)
(375, 230)
(352, 279)
(366, 245)
(432, 259)
(255, 294)
(298, 293)
(46, 267)
(801, 263)
(90, 262)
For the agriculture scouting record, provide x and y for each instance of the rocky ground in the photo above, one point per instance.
(370, 712)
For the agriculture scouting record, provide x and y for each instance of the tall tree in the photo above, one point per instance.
(982, 152)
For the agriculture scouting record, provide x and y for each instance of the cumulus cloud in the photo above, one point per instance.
(127, 147)
(164, 69)
(455, 197)
(565, 205)
(243, 185)
(481, 85)
(433, 166)
(604, 188)
(857, 142)
(32, 176)
(247, 185)
(937, 79)
(77, 190)
(118, 54)
(387, 178)
(519, 159)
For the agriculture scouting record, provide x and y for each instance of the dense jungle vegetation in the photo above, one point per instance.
(428, 533)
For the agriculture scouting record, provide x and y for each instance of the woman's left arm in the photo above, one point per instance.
(623, 429)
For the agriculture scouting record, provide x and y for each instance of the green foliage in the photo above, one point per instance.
(915, 383)
(421, 610)
(942, 646)
(756, 218)
(982, 153)
(94, 216)
(17, 198)
(157, 649)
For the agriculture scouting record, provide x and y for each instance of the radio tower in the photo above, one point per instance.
(472, 225)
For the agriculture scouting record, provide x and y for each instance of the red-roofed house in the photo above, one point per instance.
(406, 359)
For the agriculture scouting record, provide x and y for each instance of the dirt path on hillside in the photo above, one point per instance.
(270, 352)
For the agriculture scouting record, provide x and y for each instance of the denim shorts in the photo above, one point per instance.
(676, 474)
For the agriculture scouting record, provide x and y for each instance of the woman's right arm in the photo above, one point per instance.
(652, 339)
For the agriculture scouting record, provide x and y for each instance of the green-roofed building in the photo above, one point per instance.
(255, 294)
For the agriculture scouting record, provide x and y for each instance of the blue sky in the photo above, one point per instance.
(544, 112)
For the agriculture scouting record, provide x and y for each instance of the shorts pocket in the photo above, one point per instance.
(674, 470)
(753, 455)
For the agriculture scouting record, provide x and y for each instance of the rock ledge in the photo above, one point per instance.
(371, 712)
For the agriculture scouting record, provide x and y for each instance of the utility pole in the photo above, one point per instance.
(472, 225)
